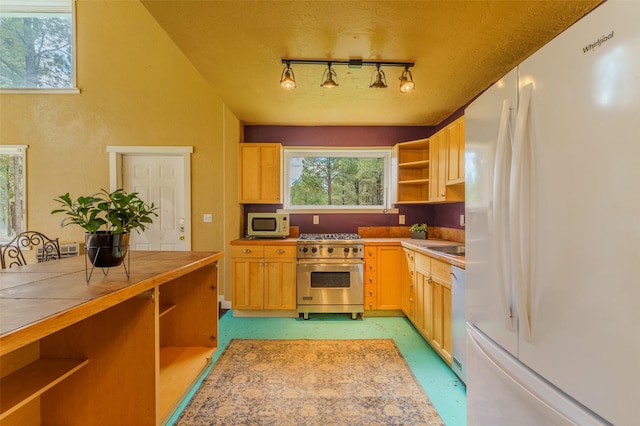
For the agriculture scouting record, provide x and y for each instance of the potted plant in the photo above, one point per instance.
(419, 231)
(108, 219)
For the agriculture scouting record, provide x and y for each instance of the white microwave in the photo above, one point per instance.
(269, 225)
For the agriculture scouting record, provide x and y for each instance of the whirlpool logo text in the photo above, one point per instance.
(593, 46)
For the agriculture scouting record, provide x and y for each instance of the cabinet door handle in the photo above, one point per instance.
(370, 292)
(370, 279)
(411, 300)
(246, 251)
(279, 251)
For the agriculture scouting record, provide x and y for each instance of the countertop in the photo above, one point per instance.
(410, 243)
(37, 299)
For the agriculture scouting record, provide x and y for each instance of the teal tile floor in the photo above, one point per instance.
(446, 392)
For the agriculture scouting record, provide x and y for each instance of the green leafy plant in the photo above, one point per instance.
(418, 227)
(116, 212)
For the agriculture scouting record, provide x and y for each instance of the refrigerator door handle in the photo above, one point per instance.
(518, 208)
(500, 215)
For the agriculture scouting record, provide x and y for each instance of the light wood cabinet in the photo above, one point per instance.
(382, 268)
(455, 152)
(432, 170)
(437, 171)
(264, 277)
(408, 283)
(260, 180)
(117, 350)
(413, 172)
(432, 317)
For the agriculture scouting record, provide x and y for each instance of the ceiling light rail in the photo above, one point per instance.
(329, 76)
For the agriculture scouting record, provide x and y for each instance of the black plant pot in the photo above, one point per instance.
(106, 250)
(421, 235)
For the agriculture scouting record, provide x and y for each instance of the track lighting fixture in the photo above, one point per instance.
(287, 79)
(329, 76)
(406, 81)
(381, 80)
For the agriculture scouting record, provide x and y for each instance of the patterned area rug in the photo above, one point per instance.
(310, 382)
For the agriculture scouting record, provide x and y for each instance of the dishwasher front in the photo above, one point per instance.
(458, 332)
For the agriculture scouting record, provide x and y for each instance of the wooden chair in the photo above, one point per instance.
(11, 253)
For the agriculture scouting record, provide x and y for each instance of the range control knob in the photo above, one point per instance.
(304, 249)
(330, 249)
(346, 249)
(355, 249)
(314, 249)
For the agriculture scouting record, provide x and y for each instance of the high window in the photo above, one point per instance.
(37, 45)
(335, 179)
(13, 197)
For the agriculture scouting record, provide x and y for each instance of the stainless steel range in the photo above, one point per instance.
(330, 274)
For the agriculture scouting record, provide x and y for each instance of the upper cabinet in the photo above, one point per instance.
(455, 152)
(432, 170)
(413, 172)
(260, 179)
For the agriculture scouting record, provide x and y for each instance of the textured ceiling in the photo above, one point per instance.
(459, 48)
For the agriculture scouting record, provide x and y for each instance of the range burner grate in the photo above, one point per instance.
(324, 237)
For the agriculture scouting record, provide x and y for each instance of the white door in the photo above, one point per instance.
(159, 179)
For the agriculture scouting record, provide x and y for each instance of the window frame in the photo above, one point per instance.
(22, 151)
(44, 7)
(357, 152)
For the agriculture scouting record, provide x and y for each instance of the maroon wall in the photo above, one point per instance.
(336, 135)
(443, 215)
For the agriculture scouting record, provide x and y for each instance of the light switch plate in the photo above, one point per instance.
(316, 219)
(401, 219)
(208, 217)
(461, 220)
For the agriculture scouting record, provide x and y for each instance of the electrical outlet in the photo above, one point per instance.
(461, 220)
(208, 217)
(316, 220)
(401, 219)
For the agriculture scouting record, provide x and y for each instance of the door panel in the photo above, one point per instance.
(159, 179)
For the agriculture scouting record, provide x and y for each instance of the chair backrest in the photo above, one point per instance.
(11, 253)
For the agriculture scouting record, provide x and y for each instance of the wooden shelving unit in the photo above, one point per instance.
(28, 383)
(413, 172)
(121, 351)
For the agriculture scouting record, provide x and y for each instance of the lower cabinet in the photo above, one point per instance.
(408, 283)
(432, 316)
(264, 277)
(382, 268)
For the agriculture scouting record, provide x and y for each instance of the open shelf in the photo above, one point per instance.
(165, 309)
(31, 381)
(180, 368)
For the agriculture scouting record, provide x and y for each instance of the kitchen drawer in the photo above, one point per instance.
(370, 252)
(411, 256)
(370, 303)
(280, 251)
(441, 269)
(252, 251)
(370, 265)
(370, 291)
(370, 278)
(423, 263)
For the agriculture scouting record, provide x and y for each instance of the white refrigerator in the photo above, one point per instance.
(553, 232)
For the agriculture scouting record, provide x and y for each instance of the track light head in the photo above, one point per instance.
(406, 81)
(380, 79)
(287, 79)
(328, 77)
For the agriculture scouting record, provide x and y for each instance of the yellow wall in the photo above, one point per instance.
(137, 88)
